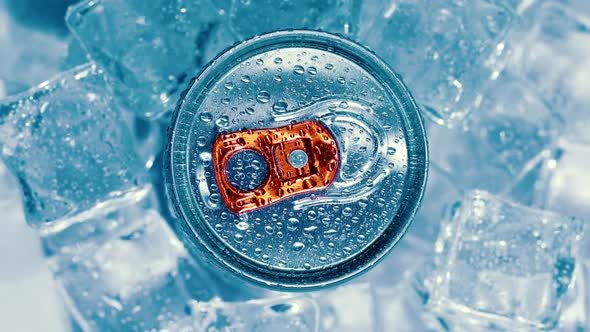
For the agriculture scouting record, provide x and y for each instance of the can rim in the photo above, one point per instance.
(198, 235)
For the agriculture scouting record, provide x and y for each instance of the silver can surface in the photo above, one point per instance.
(296, 160)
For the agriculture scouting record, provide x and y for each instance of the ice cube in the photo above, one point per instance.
(576, 309)
(29, 56)
(564, 181)
(278, 313)
(499, 144)
(137, 277)
(446, 51)
(502, 264)
(71, 154)
(151, 48)
(552, 50)
(249, 18)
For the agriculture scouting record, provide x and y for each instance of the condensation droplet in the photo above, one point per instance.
(223, 121)
(280, 107)
(298, 246)
(238, 237)
(298, 70)
(263, 96)
(206, 117)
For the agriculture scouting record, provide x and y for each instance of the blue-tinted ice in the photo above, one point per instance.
(150, 48)
(133, 275)
(28, 56)
(501, 142)
(67, 146)
(502, 264)
(251, 17)
(499, 263)
(446, 51)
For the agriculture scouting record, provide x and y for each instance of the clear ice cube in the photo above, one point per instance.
(575, 316)
(502, 264)
(151, 48)
(552, 51)
(282, 313)
(498, 145)
(249, 18)
(29, 56)
(69, 150)
(564, 181)
(446, 51)
(136, 277)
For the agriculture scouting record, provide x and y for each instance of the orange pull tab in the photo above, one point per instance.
(285, 178)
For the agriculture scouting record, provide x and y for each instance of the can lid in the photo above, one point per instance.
(297, 159)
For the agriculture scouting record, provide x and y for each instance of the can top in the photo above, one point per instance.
(297, 159)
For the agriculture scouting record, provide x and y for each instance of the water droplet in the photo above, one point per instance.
(330, 233)
(312, 70)
(238, 237)
(250, 110)
(278, 61)
(223, 121)
(269, 229)
(225, 100)
(277, 78)
(298, 70)
(280, 107)
(260, 62)
(263, 96)
(329, 66)
(391, 150)
(206, 117)
(312, 215)
(242, 225)
(246, 79)
(201, 141)
(205, 156)
(310, 229)
(229, 85)
(293, 221)
(347, 211)
(343, 105)
(341, 80)
(298, 246)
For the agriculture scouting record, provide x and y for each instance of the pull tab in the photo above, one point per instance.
(301, 157)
